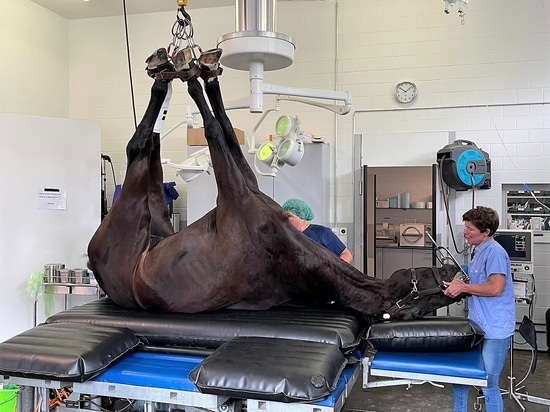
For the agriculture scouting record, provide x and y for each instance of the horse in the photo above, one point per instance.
(244, 253)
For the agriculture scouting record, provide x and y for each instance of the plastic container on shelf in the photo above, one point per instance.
(51, 272)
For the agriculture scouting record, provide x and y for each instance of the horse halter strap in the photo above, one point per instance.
(415, 293)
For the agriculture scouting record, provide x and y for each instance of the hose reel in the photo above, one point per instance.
(464, 166)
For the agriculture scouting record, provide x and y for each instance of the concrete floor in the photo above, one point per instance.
(424, 398)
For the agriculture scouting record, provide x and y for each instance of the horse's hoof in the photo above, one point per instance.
(210, 64)
(211, 58)
(158, 62)
(183, 60)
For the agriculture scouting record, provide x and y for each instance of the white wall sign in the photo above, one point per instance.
(53, 199)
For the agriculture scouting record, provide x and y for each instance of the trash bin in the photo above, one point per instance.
(8, 398)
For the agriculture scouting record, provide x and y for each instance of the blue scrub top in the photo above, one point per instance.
(326, 237)
(495, 314)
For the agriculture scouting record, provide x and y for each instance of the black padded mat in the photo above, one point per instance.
(331, 325)
(64, 352)
(429, 334)
(272, 369)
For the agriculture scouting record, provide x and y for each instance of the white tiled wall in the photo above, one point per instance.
(484, 79)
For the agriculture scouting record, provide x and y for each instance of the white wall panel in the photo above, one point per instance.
(37, 153)
(35, 60)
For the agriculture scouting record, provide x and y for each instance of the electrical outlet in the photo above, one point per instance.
(342, 233)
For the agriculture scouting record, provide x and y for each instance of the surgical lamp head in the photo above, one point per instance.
(287, 149)
(286, 126)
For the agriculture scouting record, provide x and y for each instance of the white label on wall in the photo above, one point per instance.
(53, 199)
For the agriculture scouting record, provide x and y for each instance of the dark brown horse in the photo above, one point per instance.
(243, 254)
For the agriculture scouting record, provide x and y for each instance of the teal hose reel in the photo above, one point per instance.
(464, 166)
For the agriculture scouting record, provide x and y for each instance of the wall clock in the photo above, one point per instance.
(405, 92)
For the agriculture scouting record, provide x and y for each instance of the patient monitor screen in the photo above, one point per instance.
(515, 245)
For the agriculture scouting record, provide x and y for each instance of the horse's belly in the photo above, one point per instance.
(183, 292)
(208, 287)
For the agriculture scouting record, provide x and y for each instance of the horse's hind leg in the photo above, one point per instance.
(213, 91)
(161, 226)
(125, 233)
(160, 220)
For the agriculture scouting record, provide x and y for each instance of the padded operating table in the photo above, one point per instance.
(303, 358)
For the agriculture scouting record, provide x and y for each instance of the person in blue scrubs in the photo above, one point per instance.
(300, 215)
(491, 303)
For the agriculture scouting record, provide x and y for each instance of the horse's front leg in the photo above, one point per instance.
(209, 62)
(232, 187)
(213, 91)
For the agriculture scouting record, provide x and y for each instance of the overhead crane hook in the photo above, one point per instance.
(182, 29)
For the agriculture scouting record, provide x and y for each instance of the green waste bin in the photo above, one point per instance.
(8, 398)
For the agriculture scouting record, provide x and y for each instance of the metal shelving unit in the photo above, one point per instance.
(520, 207)
(386, 250)
(69, 289)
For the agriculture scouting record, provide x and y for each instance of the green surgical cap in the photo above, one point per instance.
(299, 208)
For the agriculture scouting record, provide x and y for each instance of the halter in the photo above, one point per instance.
(415, 294)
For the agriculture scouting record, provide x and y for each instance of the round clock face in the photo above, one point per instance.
(405, 92)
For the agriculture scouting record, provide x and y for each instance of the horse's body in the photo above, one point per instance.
(243, 254)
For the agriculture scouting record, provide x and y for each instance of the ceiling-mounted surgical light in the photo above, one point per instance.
(287, 149)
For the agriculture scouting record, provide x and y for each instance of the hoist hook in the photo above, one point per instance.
(181, 3)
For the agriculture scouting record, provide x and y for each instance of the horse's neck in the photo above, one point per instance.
(361, 278)
(352, 280)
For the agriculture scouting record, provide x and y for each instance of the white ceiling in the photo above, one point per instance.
(80, 9)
